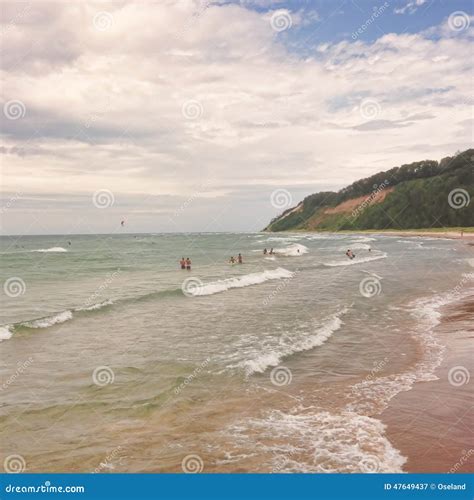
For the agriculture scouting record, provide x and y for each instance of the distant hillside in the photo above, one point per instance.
(424, 194)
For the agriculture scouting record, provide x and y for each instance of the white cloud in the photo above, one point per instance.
(104, 107)
(411, 7)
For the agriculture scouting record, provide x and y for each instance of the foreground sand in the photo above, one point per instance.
(433, 424)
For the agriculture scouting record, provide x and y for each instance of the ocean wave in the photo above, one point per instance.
(354, 246)
(5, 332)
(356, 260)
(342, 442)
(95, 307)
(374, 395)
(364, 239)
(52, 249)
(289, 239)
(326, 236)
(49, 320)
(242, 281)
(304, 343)
(294, 250)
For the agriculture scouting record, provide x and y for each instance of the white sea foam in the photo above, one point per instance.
(49, 320)
(365, 239)
(303, 342)
(242, 281)
(318, 442)
(356, 260)
(5, 332)
(270, 258)
(374, 395)
(52, 249)
(354, 246)
(285, 239)
(95, 307)
(294, 250)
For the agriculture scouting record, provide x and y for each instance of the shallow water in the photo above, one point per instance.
(112, 355)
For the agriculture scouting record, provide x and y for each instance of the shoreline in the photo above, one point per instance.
(468, 233)
(431, 424)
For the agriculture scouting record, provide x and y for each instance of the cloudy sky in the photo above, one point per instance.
(189, 115)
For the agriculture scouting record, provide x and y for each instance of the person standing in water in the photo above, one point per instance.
(239, 258)
(265, 251)
(183, 263)
(271, 251)
(232, 260)
(188, 264)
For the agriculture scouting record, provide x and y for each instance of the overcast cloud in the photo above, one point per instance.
(191, 114)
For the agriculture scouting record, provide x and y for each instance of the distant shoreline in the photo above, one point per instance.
(454, 234)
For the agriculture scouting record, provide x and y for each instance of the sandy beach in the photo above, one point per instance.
(454, 235)
(433, 424)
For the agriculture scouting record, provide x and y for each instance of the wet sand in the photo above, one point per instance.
(433, 424)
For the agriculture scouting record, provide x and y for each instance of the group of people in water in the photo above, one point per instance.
(185, 263)
(233, 260)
